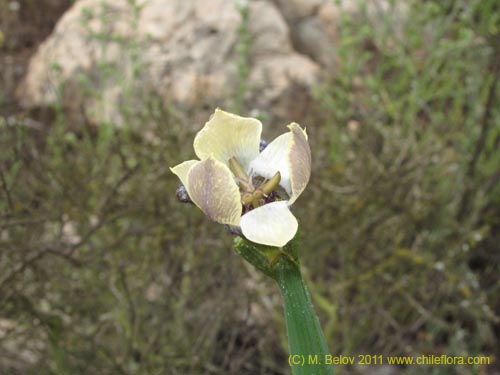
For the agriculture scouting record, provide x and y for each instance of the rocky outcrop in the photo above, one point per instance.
(109, 58)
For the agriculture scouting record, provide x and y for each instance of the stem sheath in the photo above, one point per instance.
(307, 344)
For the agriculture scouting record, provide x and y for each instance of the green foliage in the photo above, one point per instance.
(103, 271)
(408, 231)
(243, 50)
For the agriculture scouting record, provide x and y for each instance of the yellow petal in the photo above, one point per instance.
(211, 186)
(227, 135)
(272, 224)
(299, 161)
(182, 169)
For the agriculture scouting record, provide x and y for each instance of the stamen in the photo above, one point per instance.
(245, 185)
(256, 203)
(251, 196)
(247, 198)
(237, 169)
(268, 186)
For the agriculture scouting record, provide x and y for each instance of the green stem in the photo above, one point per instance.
(309, 353)
(308, 349)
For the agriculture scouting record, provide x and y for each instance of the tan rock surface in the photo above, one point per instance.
(105, 56)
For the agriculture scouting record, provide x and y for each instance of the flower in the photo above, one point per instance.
(235, 184)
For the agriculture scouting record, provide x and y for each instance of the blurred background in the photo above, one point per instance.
(103, 272)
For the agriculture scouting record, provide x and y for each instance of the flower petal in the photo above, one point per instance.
(291, 156)
(227, 135)
(182, 169)
(299, 161)
(274, 158)
(211, 186)
(272, 224)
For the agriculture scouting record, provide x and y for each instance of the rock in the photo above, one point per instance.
(296, 9)
(312, 39)
(283, 84)
(105, 56)
(315, 24)
(268, 30)
(107, 59)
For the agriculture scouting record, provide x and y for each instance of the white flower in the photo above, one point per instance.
(234, 184)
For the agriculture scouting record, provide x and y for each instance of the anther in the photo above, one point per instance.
(268, 186)
(237, 169)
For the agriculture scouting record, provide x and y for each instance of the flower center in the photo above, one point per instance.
(254, 196)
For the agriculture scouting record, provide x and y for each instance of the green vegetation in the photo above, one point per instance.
(102, 271)
(409, 258)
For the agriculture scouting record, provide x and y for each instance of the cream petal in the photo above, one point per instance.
(291, 156)
(181, 170)
(274, 158)
(299, 161)
(272, 224)
(227, 135)
(211, 186)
